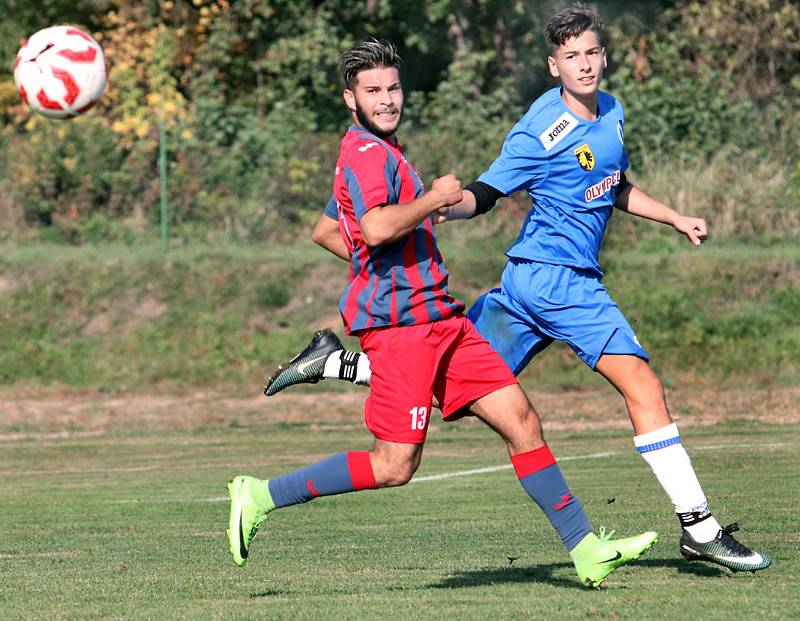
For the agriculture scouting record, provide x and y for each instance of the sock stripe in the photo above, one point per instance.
(361, 474)
(690, 518)
(658, 445)
(348, 365)
(527, 463)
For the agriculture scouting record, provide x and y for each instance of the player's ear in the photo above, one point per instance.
(349, 99)
(551, 63)
(605, 59)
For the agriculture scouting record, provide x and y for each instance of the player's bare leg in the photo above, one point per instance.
(641, 389)
(508, 412)
(394, 463)
(658, 442)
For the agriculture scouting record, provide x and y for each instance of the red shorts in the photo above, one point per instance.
(410, 364)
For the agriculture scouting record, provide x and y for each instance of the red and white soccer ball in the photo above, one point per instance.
(60, 72)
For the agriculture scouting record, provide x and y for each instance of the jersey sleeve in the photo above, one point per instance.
(619, 111)
(522, 163)
(368, 176)
(332, 208)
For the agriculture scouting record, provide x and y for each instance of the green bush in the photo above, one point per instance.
(713, 75)
(256, 113)
(274, 294)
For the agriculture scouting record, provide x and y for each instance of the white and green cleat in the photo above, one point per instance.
(308, 366)
(250, 504)
(724, 550)
(596, 557)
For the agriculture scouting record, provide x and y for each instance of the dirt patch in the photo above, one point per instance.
(123, 315)
(149, 308)
(99, 324)
(7, 283)
(695, 406)
(23, 416)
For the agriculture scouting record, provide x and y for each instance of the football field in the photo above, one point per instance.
(130, 523)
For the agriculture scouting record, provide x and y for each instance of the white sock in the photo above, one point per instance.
(363, 371)
(664, 453)
(351, 366)
(332, 365)
(705, 530)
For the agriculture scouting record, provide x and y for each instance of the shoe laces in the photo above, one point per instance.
(731, 542)
(255, 525)
(731, 528)
(605, 537)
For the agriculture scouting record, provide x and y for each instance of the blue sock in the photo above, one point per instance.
(541, 478)
(344, 472)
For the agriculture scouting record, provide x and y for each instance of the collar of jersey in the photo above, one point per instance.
(358, 128)
(565, 107)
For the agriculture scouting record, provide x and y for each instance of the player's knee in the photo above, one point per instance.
(532, 429)
(646, 389)
(396, 475)
(527, 432)
(393, 472)
(524, 412)
(647, 377)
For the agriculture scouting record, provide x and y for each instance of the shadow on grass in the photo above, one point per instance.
(683, 567)
(508, 575)
(546, 573)
(267, 593)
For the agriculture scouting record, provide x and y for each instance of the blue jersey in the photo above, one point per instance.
(571, 169)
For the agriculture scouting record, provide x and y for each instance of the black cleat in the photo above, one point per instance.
(307, 366)
(724, 550)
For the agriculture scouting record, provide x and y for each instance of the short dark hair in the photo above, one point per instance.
(372, 54)
(571, 22)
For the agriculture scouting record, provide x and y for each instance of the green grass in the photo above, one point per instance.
(136, 318)
(131, 526)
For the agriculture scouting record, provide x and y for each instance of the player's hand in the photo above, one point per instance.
(449, 188)
(440, 216)
(694, 228)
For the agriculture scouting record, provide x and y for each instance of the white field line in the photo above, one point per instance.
(467, 473)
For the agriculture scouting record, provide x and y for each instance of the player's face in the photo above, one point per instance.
(579, 63)
(376, 101)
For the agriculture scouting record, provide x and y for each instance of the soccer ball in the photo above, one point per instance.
(60, 72)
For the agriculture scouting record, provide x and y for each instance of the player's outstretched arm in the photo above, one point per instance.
(388, 223)
(636, 202)
(460, 211)
(326, 234)
(478, 198)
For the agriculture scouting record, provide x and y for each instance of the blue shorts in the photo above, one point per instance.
(539, 303)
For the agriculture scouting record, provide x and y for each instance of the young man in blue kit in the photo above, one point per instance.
(568, 152)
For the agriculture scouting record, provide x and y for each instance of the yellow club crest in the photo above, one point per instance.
(585, 157)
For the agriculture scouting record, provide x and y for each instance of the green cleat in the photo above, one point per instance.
(250, 504)
(596, 557)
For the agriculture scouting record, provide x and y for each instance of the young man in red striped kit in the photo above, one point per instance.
(415, 333)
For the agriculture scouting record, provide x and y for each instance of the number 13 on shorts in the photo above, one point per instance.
(419, 417)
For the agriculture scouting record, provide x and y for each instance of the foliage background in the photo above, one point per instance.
(248, 91)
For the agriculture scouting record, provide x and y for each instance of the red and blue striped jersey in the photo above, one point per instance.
(401, 283)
